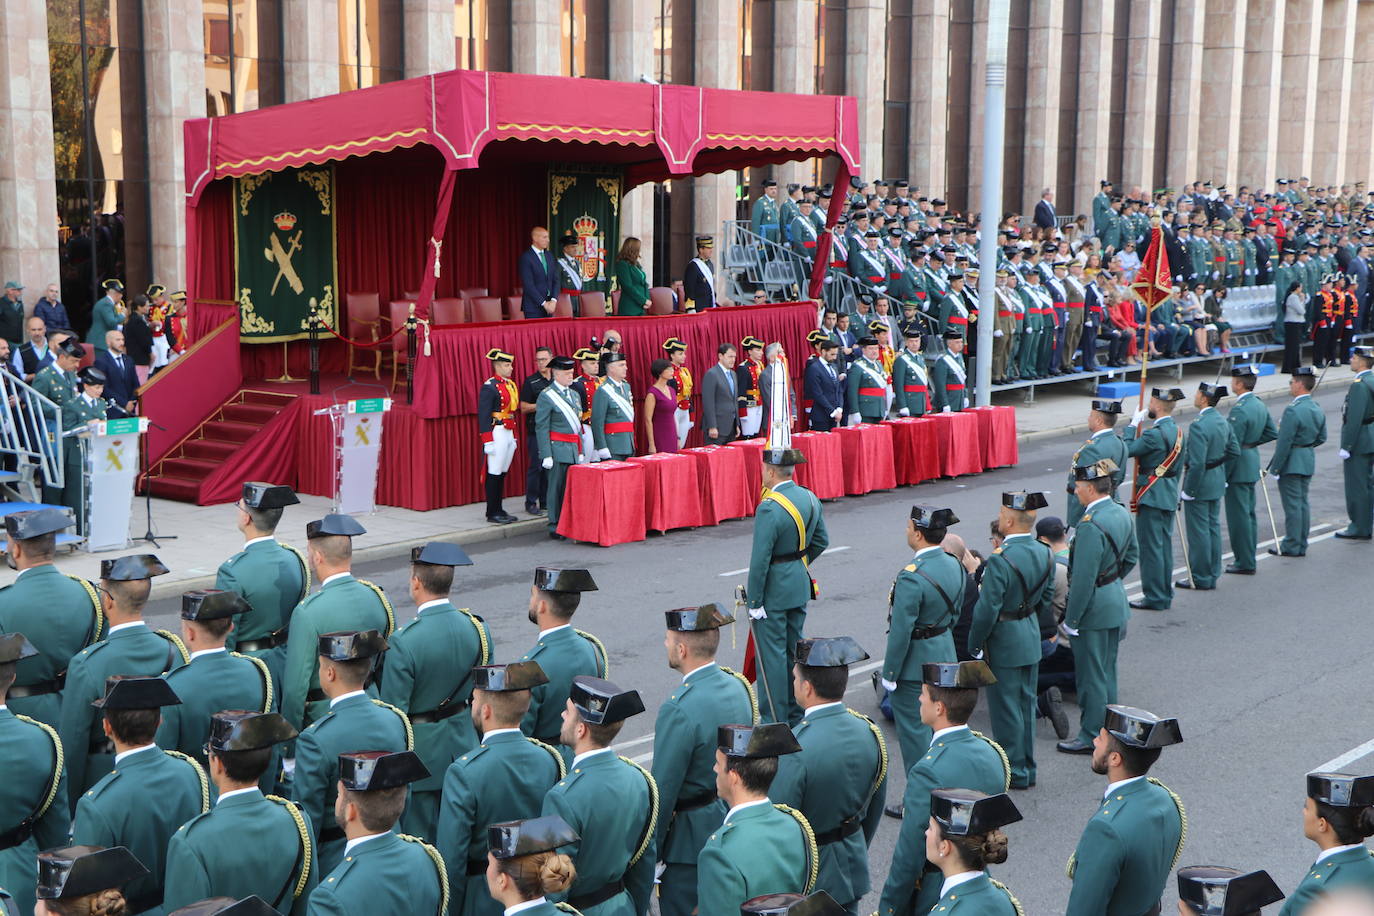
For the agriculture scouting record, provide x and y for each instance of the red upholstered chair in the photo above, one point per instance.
(88, 359)
(399, 311)
(679, 290)
(660, 300)
(615, 300)
(564, 307)
(485, 308)
(364, 323)
(473, 292)
(412, 296)
(593, 305)
(448, 311)
(513, 307)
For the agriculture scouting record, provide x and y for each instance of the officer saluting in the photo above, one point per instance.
(504, 778)
(614, 854)
(1357, 447)
(498, 404)
(429, 675)
(1214, 890)
(1210, 447)
(1103, 442)
(1132, 843)
(248, 844)
(1252, 426)
(562, 651)
(839, 779)
(60, 613)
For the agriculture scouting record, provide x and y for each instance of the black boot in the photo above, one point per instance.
(496, 513)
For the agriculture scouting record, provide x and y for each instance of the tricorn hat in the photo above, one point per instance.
(829, 651)
(123, 692)
(600, 702)
(695, 619)
(1341, 790)
(1103, 406)
(926, 517)
(1167, 394)
(37, 522)
(505, 678)
(818, 904)
(15, 648)
(1025, 501)
(560, 579)
(957, 675)
(351, 645)
(1104, 467)
(1141, 728)
(212, 604)
(370, 771)
(76, 871)
(967, 812)
(1214, 890)
(510, 839)
(440, 553)
(247, 730)
(132, 568)
(226, 906)
(268, 496)
(771, 739)
(334, 525)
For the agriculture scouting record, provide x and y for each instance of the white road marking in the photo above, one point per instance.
(1336, 764)
(736, 572)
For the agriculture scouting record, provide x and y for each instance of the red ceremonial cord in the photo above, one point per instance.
(362, 343)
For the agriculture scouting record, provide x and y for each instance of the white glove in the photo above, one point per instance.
(946, 409)
(1276, 476)
(889, 685)
(547, 464)
(1140, 416)
(904, 412)
(1344, 454)
(1186, 498)
(998, 333)
(489, 448)
(603, 453)
(757, 613)
(1068, 630)
(582, 458)
(854, 418)
(659, 869)
(836, 414)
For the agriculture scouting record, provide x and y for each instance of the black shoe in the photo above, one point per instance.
(1052, 702)
(897, 811)
(1347, 536)
(1142, 606)
(1190, 584)
(1023, 786)
(1076, 746)
(502, 519)
(1275, 552)
(1238, 571)
(537, 512)
(555, 536)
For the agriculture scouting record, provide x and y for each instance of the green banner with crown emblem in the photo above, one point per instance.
(284, 253)
(584, 203)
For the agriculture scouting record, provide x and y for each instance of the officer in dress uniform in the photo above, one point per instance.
(614, 854)
(949, 376)
(1338, 815)
(346, 661)
(1252, 426)
(910, 377)
(129, 648)
(526, 865)
(765, 215)
(116, 810)
(1159, 450)
(273, 577)
(683, 387)
(1357, 447)
(396, 874)
(428, 675)
(585, 386)
(248, 844)
(503, 778)
(563, 652)
(215, 678)
(1301, 430)
(569, 274)
(748, 374)
(1215, 890)
(824, 387)
(684, 748)
(33, 796)
(839, 779)
(954, 312)
(558, 432)
(57, 382)
(966, 838)
(1102, 442)
(804, 239)
(699, 279)
(1103, 552)
(761, 848)
(613, 412)
(956, 756)
(866, 384)
(1017, 587)
(1132, 843)
(1210, 446)
(60, 613)
(342, 603)
(80, 875)
(498, 403)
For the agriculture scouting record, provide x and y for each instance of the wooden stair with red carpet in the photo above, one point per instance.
(179, 475)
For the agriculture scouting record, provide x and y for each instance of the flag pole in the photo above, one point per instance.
(1154, 286)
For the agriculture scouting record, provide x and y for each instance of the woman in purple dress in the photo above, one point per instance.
(659, 406)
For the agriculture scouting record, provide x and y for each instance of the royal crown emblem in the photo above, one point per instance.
(584, 226)
(285, 221)
(590, 248)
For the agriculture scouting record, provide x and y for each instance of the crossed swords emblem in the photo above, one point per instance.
(282, 258)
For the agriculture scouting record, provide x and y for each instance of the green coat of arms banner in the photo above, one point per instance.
(585, 203)
(284, 253)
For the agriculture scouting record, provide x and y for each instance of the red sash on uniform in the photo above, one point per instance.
(873, 392)
(620, 426)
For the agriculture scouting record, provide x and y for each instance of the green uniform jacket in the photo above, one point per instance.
(428, 664)
(778, 579)
(980, 897)
(1357, 435)
(1152, 447)
(1018, 579)
(865, 376)
(606, 410)
(342, 604)
(210, 683)
(1302, 429)
(134, 650)
(948, 383)
(915, 601)
(355, 723)
(389, 875)
(60, 615)
(1350, 868)
(57, 386)
(1127, 851)
(1106, 444)
(764, 217)
(505, 778)
(549, 419)
(563, 653)
(104, 318)
(633, 286)
(247, 845)
(616, 840)
(272, 577)
(839, 780)
(958, 757)
(685, 754)
(140, 804)
(1252, 426)
(1092, 559)
(758, 850)
(1209, 447)
(35, 783)
(909, 371)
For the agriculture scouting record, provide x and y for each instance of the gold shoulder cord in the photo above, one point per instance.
(553, 752)
(405, 720)
(200, 775)
(390, 611)
(813, 854)
(748, 691)
(99, 631)
(266, 676)
(175, 640)
(305, 843)
(305, 569)
(601, 655)
(438, 861)
(1182, 818)
(1010, 896)
(485, 658)
(567, 908)
(882, 753)
(652, 822)
(59, 758)
(1006, 764)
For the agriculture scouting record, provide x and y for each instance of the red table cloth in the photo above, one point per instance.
(867, 456)
(997, 427)
(601, 503)
(722, 481)
(672, 496)
(753, 466)
(961, 448)
(823, 473)
(915, 449)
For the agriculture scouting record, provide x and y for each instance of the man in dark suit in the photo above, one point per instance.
(538, 277)
(121, 382)
(824, 389)
(720, 398)
(1044, 210)
(699, 280)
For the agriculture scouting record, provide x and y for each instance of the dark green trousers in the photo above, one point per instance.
(1202, 517)
(1359, 493)
(1297, 513)
(1011, 706)
(1240, 523)
(1154, 534)
(913, 735)
(677, 890)
(1094, 664)
(775, 642)
(557, 478)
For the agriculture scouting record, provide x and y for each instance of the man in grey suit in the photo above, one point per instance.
(720, 398)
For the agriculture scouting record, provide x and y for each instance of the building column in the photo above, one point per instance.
(1259, 118)
(28, 189)
(978, 92)
(794, 68)
(536, 28)
(631, 54)
(718, 41)
(864, 25)
(1223, 62)
(1302, 30)
(1043, 64)
(1185, 95)
(310, 52)
(1360, 143)
(174, 55)
(1142, 85)
(929, 79)
(430, 45)
(1094, 100)
(1334, 89)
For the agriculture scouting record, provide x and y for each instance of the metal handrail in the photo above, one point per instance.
(30, 429)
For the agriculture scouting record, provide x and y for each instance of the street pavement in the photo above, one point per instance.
(1264, 674)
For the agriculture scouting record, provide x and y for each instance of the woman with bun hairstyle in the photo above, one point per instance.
(964, 837)
(1337, 816)
(524, 865)
(85, 881)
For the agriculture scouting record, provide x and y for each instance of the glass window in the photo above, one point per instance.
(470, 33)
(371, 43)
(243, 65)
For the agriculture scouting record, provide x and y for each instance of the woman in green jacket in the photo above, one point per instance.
(631, 280)
(524, 864)
(963, 838)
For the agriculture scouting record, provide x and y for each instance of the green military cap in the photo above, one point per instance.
(1214, 890)
(372, 771)
(770, 739)
(510, 839)
(1341, 790)
(439, 553)
(829, 651)
(113, 285)
(957, 675)
(1105, 467)
(506, 678)
(931, 517)
(24, 525)
(334, 525)
(212, 604)
(124, 692)
(69, 872)
(497, 355)
(257, 495)
(600, 702)
(967, 812)
(245, 730)
(132, 568)
(561, 579)
(15, 648)
(226, 906)
(351, 645)
(696, 619)
(1167, 394)
(818, 904)
(1024, 501)
(1141, 728)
